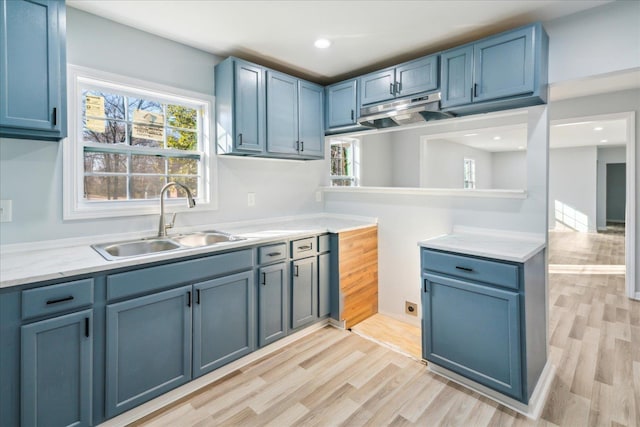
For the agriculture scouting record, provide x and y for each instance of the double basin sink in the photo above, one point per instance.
(153, 245)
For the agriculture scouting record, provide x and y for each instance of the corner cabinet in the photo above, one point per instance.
(508, 70)
(265, 113)
(484, 319)
(33, 69)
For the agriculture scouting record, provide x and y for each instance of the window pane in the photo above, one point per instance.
(148, 142)
(182, 117)
(182, 140)
(190, 182)
(147, 164)
(105, 162)
(183, 166)
(146, 187)
(111, 104)
(105, 187)
(144, 105)
(112, 133)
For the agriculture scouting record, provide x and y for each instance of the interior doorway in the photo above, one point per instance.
(616, 197)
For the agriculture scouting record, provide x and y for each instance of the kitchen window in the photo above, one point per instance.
(345, 162)
(469, 173)
(127, 139)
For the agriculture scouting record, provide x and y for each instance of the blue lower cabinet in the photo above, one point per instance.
(272, 303)
(56, 371)
(148, 347)
(223, 321)
(473, 330)
(304, 292)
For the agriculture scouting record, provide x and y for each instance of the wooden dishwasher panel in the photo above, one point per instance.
(358, 270)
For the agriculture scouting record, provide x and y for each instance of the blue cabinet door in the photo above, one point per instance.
(473, 330)
(311, 119)
(148, 348)
(304, 292)
(417, 76)
(378, 86)
(32, 69)
(272, 303)
(223, 321)
(56, 371)
(455, 73)
(342, 104)
(324, 284)
(249, 107)
(503, 65)
(282, 113)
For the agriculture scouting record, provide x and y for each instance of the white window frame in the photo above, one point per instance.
(74, 204)
(469, 184)
(355, 160)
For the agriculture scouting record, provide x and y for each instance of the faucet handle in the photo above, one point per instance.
(170, 224)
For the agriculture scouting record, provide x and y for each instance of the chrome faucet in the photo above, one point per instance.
(162, 228)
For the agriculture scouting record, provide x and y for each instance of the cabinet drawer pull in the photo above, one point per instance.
(467, 269)
(274, 254)
(305, 247)
(56, 301)
(239, 139)
(188, 298)
(86, 327)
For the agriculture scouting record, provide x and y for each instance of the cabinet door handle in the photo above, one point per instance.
(239, 139)
(264, 279)
(302, 146)
(297, 272)
(274, 253)
(59, 300)
(86, 327)
(55, 116)
(298, 146)
(467, 269)
(198, 296)
(398, 87)
(475, 90)
(306, 247)
(188, 298)
(352, 115)
(391, 86)
(424, 286)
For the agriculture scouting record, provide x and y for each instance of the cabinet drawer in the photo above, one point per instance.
(151, 279)
(469, 268)
(271, 253)
(303, 247)
(323, 243)
(56, 298)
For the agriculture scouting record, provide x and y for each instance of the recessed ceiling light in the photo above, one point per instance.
(322, 43)
(496, 138)
(471, 134)
(598, 128)
(604, 140)
(521, 147)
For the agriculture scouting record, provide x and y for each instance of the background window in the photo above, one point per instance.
(469, 173)
(344, 162)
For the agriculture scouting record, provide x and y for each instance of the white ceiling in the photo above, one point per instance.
(366, 35)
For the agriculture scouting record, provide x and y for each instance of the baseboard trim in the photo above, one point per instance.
(174, 395)
(538, 398)
(637, 296)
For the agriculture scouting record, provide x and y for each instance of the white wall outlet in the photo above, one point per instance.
(6, 210)
(318, 196)
(251, 199)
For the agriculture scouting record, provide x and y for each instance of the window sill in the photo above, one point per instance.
(438, 192)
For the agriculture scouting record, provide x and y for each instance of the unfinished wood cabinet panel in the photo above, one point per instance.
(358, 274)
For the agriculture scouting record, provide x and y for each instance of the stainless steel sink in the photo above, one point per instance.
(133, 248)
(205, 238)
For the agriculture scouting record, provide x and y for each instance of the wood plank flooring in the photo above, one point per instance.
(394, 333)
(337, 378)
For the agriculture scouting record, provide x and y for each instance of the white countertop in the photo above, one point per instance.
(39, 261)
(497, 244)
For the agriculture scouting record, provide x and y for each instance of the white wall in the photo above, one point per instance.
(406, 158)
(606, 155)
(31, 171)
(572, 188)
(443, 164)
(509, 170)
(596, 41)
(376, 169)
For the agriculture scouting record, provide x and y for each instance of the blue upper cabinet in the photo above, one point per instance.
(311, 119)
(240, 107)
(342, 104)
(508, 70)
(403, 80)
(282, 113)
(33, 69)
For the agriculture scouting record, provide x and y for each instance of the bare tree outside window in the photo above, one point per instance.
(344, 162)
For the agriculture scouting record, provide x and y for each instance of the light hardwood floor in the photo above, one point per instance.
(334, 377)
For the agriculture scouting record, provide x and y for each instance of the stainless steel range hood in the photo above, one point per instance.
(421, 109)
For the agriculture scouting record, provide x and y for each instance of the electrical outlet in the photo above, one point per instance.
(318, 196)
(251, 199)
(5, 211)
(411, 308)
